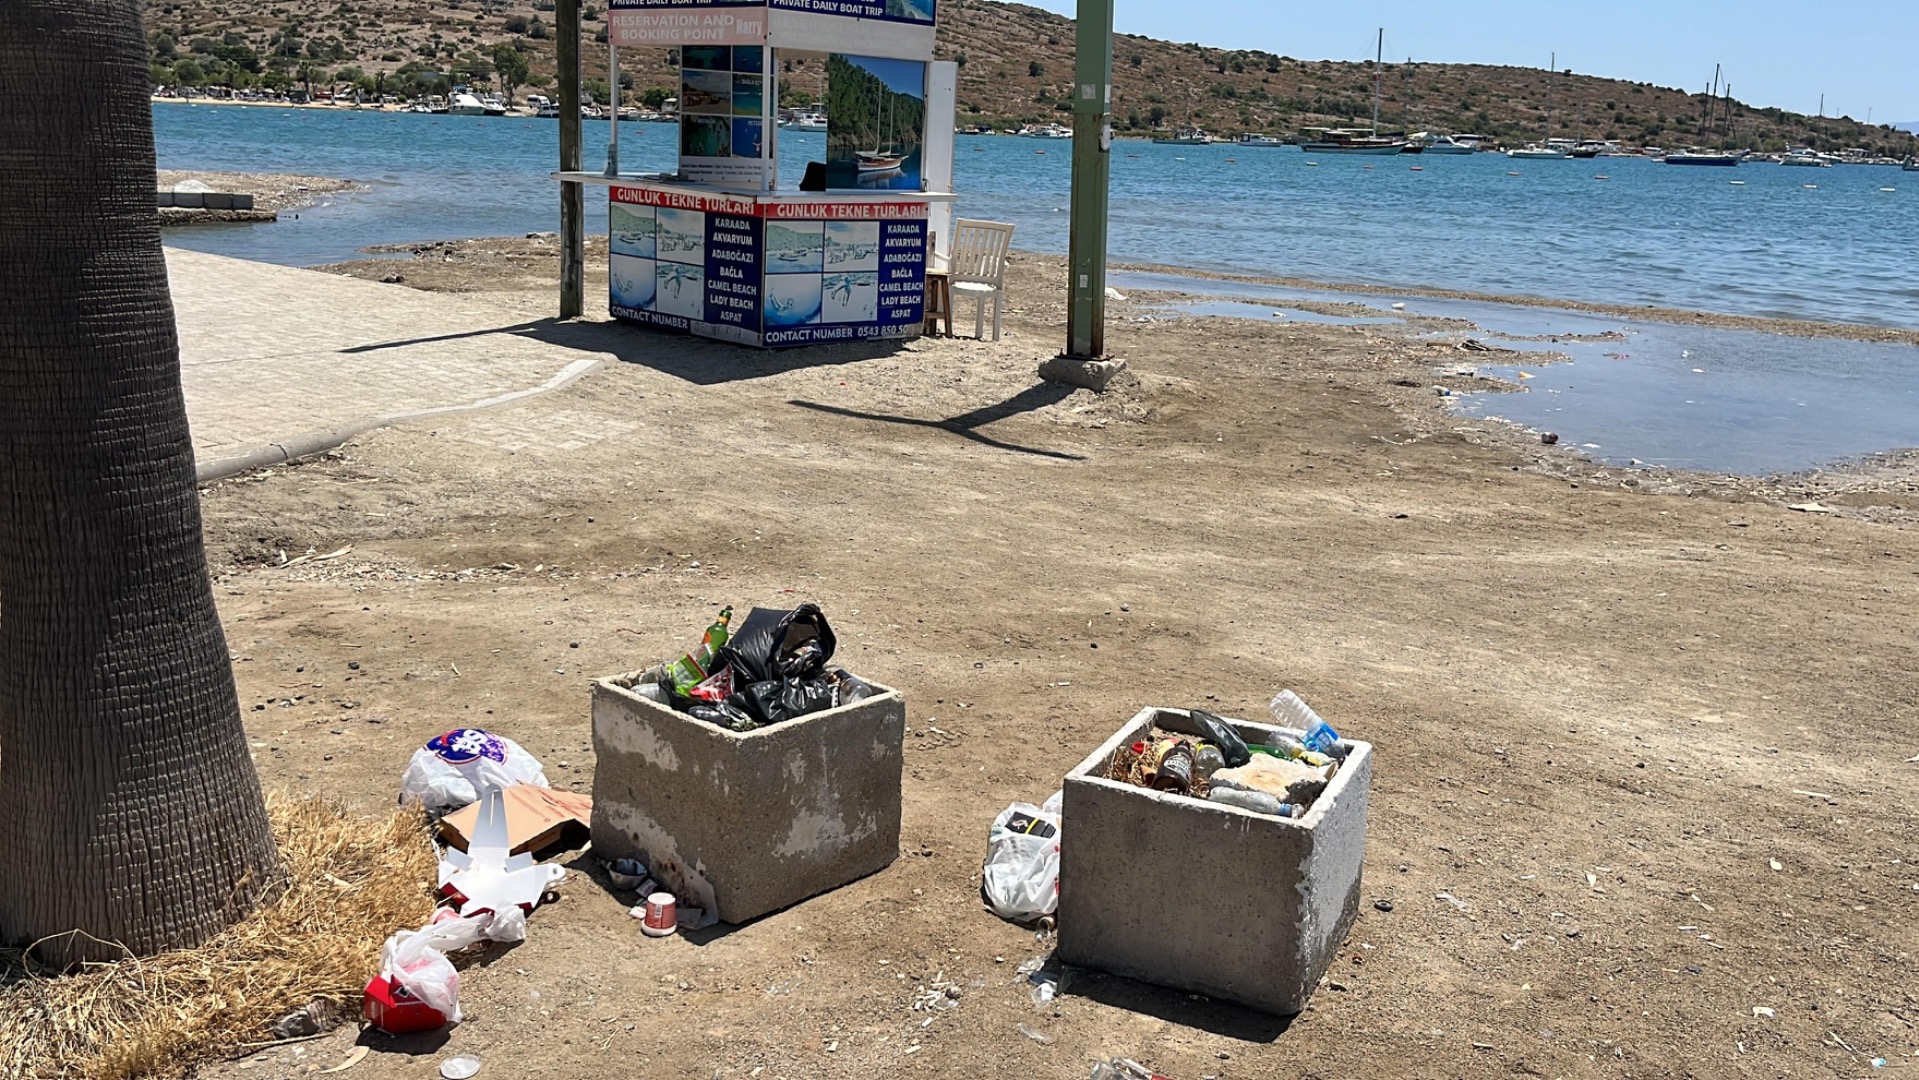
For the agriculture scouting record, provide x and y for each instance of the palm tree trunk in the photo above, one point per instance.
(129, 807)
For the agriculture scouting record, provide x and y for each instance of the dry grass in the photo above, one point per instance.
(351, 882)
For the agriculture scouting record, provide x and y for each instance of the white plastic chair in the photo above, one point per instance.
(979, 267)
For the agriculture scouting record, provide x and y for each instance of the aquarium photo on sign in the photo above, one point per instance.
(877, 128)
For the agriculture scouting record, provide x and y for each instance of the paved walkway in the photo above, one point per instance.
(279, 362)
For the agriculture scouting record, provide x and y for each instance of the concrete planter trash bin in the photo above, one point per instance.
(1206, 897)
(742, 824)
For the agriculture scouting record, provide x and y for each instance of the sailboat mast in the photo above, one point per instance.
(1552, 67)
(1379, 60)
(1712, 101)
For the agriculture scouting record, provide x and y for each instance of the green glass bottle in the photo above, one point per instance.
(692, 669)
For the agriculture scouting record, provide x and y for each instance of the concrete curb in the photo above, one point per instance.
(324, 439)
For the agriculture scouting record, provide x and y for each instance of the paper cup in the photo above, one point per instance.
(662, 915)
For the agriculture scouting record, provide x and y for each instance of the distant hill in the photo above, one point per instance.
(1016, 67)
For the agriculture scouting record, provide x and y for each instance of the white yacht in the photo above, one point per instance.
(1453, 144)
(463, 103)
(1806, 157)
(809, 121)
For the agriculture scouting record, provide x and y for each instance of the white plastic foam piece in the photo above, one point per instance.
(486, 874)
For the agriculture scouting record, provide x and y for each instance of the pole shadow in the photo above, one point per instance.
(967, 425)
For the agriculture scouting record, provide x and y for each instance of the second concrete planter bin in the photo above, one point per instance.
(1201, 896)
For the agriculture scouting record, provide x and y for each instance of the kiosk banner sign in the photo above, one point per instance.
(686, 22)
(767, 273)
(907, 11)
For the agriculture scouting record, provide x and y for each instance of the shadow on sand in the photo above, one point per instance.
(712, 363)
(696, 360)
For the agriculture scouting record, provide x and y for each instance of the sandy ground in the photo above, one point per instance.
(1643, 804)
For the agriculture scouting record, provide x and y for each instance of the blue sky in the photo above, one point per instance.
(900, 76)
(1860, 54)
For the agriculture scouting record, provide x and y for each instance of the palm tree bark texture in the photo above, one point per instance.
(130, 812)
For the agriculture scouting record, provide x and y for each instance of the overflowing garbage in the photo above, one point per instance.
(773, 668)
(495, 812)
(1281, 776)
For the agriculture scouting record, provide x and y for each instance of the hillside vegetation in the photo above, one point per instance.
(1016, 66)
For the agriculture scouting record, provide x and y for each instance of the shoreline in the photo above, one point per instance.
(1784, 327)
(1396, 363)
(1808, 328)
(273, 193)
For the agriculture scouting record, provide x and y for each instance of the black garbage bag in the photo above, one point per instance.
(725, 714)
(774, 644)
(1214, 729)
(774, 700)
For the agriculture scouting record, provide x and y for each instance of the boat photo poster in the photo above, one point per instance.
(723, 115)
(876, 127)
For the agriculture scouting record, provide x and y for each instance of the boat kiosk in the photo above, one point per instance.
(719, 249)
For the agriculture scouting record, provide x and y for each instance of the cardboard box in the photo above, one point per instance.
(536, 818)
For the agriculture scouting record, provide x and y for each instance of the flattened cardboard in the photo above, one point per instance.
(536, 818)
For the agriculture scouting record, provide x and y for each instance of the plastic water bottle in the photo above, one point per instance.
(1289, 711)
(1257, 801)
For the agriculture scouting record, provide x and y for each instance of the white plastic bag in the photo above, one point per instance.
(452, 769)
(416, 959)
(1021, 875)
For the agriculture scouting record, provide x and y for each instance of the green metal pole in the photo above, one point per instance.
(1092, 166)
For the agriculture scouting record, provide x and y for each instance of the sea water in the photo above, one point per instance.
(1634, 391)
(1840, 251)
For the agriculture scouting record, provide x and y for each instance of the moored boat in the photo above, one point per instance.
(1453, 144)
(1254, 138)
(1191, 136)
(1806, 158)
(1536, 152)
(1348, 141)
(1703, 157)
